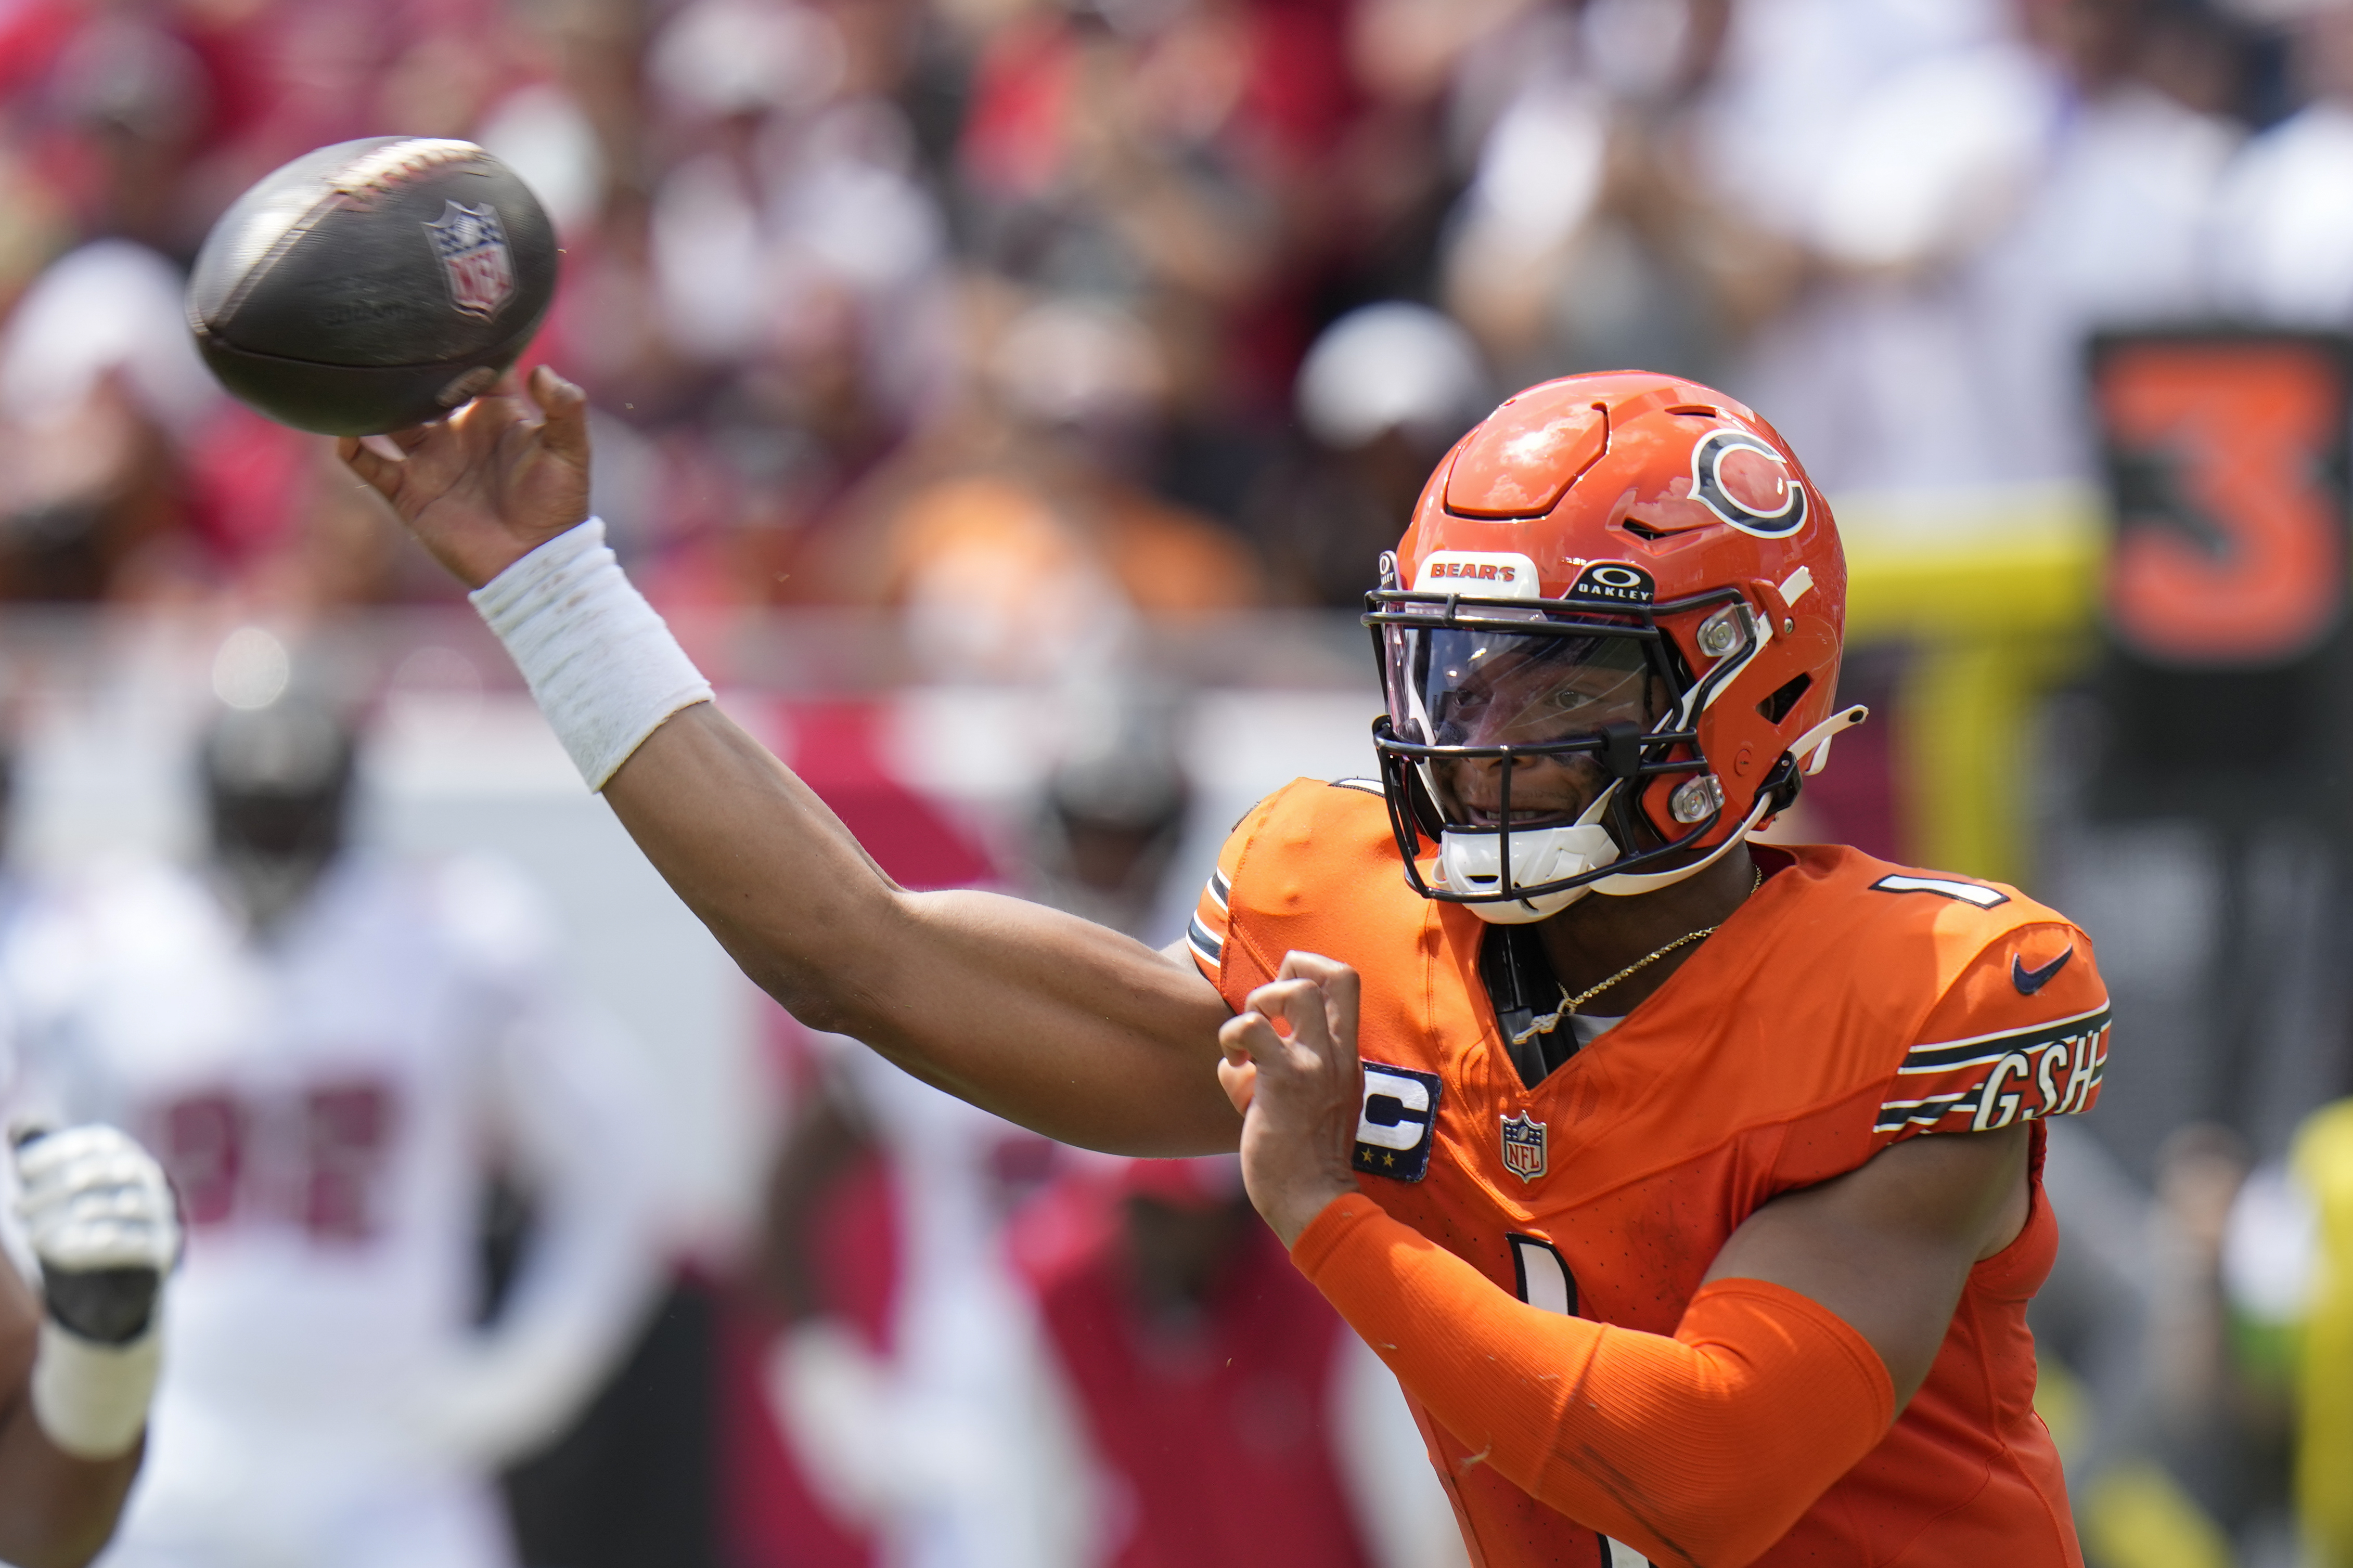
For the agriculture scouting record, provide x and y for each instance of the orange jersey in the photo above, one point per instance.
(1847, 1004)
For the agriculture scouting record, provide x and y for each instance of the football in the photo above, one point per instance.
(373, 285)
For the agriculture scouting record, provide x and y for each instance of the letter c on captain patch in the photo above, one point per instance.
(1398, 1122)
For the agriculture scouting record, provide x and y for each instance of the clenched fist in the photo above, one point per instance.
(103, 1221)
(1291, 1069)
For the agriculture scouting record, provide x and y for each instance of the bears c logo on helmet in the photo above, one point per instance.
(1748, 484)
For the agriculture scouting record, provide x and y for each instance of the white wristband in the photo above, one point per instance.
(92, 1399)
(601, 663)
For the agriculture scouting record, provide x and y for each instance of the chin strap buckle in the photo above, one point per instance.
(1813, 748)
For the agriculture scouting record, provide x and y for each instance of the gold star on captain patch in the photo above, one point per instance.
(1387, 1158)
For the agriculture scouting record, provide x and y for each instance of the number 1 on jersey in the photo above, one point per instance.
(1542, 1275)
(1542, 1279)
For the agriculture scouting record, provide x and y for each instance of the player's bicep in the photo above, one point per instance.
(1888, 1246)
(1068, 1027)
(1188, 958)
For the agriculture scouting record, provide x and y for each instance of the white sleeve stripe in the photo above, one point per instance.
(1940, 1055)
(1942, 1066)
(1370, 786)
(2048, 1072)
(1218, 889)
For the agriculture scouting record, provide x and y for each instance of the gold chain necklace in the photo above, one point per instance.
(1570, 1005)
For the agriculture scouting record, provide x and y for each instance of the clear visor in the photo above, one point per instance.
(1480, 687)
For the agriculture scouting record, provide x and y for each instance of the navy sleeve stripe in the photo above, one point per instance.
(1898, 1113)
(1945, 1056)
(1198, 938)
(2055, 1070)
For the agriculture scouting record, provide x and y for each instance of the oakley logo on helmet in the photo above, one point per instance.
(1615, 582)
(1479, 573)
(1748, 484)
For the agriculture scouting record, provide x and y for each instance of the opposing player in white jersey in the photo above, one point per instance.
(95, 1237)
(330, 1051)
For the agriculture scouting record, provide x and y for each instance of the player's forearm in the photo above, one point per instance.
(1701, 1449)
(1061, 1025)
(754, 852)
(81, 1358)
(56, 1510)
(1067, 1027)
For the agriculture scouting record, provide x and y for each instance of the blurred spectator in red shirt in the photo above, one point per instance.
(1021, 536)
(1157, 154)
(1227, 1410)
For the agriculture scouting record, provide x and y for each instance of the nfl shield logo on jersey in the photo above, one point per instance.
(1523, 1147)
(472, 246)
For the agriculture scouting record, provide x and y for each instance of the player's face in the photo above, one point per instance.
(1484, 689)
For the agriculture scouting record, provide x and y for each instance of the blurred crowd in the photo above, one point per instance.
(1035, 321)
(1067, 310)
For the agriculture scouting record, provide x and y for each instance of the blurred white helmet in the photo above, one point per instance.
(1078, 362)
(543, 134)
(748, 56)
(110, 305)
(1391, 366)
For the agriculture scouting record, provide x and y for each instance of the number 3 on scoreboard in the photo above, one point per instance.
(2226, 453)
(1541, 1277)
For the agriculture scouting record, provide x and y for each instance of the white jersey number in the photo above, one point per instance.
(1542, 1277)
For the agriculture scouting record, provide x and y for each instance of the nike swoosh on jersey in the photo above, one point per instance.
(2030, 981)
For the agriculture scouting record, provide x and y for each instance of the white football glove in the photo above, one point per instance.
(102, 1219)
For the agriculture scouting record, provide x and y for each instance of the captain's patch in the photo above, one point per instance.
(1398, 1122)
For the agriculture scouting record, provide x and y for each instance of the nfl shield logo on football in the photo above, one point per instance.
(1523, 1147)
(472, 246)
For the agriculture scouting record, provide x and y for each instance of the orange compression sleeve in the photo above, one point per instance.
(1702, 1450)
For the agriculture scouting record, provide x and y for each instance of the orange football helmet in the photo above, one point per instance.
(1622, 602)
